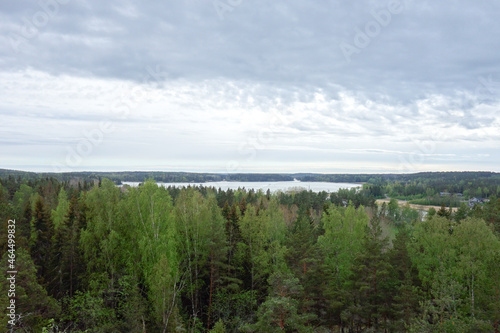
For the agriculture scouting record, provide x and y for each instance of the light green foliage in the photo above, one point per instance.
(22, 198)
(275, 222)
(431, 251)
(202, 244)
(219, 327)
(101, 241)
(59, 214)
(431, 212)
(457, 266)
(342, 241)
(477, 266)
(409, 215)
(263, 237)
(254, 234)
(276, 233)
(393, 210)
(111, 251)
(151, 212)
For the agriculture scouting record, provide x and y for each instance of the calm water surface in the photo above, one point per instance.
(264, 186)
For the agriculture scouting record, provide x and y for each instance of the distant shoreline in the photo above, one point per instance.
(273, 186)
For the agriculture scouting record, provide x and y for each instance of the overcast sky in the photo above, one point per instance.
(250, 85)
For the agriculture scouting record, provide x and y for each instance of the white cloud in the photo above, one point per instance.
(209, 123)
(267, 86)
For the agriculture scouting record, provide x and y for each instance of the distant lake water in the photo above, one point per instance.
(264, 186)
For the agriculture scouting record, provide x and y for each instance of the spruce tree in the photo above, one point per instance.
(406, 282)
(371, 285)
(41, 242)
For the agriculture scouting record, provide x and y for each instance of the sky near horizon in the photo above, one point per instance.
(250, 86)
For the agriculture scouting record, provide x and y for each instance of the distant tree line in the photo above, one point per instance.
(425, 185)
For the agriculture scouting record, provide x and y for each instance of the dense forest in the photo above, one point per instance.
(95, 257)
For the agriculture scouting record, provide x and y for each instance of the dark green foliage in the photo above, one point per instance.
(371, 286)
(444, 212)
(304, 257)
(31, 297)
(234, 308)
(462, 212)
(66, 254)
(280, 311)
(95, 257)
(405, 288)
(42, 231)
(490, 212)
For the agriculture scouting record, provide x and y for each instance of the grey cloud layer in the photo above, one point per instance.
(433, 68)
(428, 46)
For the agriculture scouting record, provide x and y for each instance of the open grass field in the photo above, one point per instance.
(420, 207)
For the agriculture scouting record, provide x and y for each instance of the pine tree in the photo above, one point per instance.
(280, 311)
(304, 258)
(462, 212)
(66, 256)
(444, 212)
